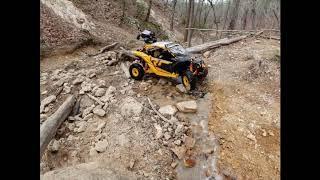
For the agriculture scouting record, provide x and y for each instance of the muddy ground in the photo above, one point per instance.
(238, 117)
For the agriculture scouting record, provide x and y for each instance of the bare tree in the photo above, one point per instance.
(200, 11)
(226, 17)
(206, 17)
(149, 10)
(234, 16)
(172, 15)
(185, 38)
(253, 14)
(215, 20)
(276, 16)
(191, 4)
(123, 11)
(244, 18)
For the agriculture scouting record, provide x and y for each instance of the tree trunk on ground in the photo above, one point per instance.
(149, 10)
(190, 22)
(234, 16)
(214, 44)
(50, 126)
(253, 15)
(185, 38)
(172, 15)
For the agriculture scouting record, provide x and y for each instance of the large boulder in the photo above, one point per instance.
(187, 106)
(168, 110)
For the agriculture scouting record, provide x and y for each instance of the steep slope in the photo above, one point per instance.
(69, 24)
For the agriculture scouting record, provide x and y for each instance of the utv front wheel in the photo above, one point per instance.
(136, 71)
(189, 81)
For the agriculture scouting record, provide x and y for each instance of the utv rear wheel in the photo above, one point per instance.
(136, 71)
(188, 80)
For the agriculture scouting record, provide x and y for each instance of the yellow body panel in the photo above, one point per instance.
(152, 67)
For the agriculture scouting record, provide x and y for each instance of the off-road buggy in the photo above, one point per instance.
(167, 59)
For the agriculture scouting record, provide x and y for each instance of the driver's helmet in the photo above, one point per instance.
(147, 36)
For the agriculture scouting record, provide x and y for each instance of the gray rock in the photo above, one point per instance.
(162, 81)
(168, 110)
(43, 117)
(93, 152)
(206, 54)
(92, 75)
(82, 127)
(98, 111)
(181, 88)
(179, 129)
(177, 142)
(159, 133)
(46, 109)
(109, 94)
(189, 142)
(100, 92)
(106, 105)
(187, 106)
(78, 80)
(44, 92)
(167, 136)
(66, 90)
(101, 146)
(87, 111)
(60, 82)
(179, 151)
(174, 164)
(110, 90)
(173, 120)
(101, 83)
(71, 126)
(166, 125)
(55, 146)
(100, 126)
(86, 102)
(48, 100)
(87, 117)
(86, 88)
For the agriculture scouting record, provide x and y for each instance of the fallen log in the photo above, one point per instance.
(158, 113)
(271, 37)
(221, 42)
(50, 126)
(211, 45)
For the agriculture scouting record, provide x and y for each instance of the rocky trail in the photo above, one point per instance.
(228, 128)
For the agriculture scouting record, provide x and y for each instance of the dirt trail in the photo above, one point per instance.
(245, 83)
(237, 121)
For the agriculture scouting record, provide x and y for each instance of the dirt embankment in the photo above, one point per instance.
(66, 25)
